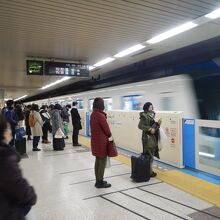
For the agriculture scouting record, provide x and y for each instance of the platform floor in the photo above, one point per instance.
(64, 182)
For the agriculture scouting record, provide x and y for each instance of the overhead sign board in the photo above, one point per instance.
(35, 67)
(66, 69)
(39, 67)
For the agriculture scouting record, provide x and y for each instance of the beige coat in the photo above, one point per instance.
(37, 129)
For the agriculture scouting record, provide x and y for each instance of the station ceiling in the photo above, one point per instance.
(88, 31)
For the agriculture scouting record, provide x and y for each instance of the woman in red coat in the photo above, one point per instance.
(100, 133)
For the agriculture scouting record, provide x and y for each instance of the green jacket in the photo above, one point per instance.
(148, 140)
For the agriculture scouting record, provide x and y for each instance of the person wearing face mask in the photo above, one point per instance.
(16, 195)
(150, 129)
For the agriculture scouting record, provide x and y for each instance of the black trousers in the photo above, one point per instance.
(75, 136)
(12, 142)
(28, 130)
(45, 130)
(100, 168)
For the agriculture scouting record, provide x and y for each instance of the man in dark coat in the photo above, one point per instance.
(16, 195)
(76, 121)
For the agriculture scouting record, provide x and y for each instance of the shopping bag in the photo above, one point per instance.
(59, 134)
(162, 139)
(108, 163)
(66, 128)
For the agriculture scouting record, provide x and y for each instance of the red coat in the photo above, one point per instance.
(100, 132)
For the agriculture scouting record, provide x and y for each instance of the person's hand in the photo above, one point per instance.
(110, 139)
(159, 121)
(152, 130)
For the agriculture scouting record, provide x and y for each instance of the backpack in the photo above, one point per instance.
(32, 120)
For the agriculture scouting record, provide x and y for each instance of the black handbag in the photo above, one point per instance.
(20, 145)
(111, 149)
(58, 143)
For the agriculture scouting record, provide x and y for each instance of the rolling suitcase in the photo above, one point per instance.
(20, 145)
(140, 168)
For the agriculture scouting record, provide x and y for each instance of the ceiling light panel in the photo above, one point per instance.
(104, 61)
(172, 32)
(214, 14)
(130, 50)
(20, 98)
(56, 82)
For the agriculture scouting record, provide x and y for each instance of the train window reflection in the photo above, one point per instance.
(91, 104)
(108, 103)
(80, 104)
(209, 146)
(134, 102)
(166, 103)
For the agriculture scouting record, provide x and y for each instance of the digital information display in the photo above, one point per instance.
(34, 67)
(66, 69)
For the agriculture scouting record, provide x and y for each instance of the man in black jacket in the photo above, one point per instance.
(76, 121)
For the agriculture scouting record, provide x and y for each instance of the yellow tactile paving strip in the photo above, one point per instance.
(202, 189)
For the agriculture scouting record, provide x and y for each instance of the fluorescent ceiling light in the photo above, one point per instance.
(127, 87)
(20, 98)
(146, 84)
(214, 14)
(106, 60)
(56, 82)
(172, 32)
(206, 154)
(91, 67)
(130, 50)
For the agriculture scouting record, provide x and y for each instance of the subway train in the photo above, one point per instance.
(196, 96)
(175, 93)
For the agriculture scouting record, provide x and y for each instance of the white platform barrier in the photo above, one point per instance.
(82, 114)
(124, 127)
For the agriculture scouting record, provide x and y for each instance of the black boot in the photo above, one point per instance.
(153, 174)
(102, 184)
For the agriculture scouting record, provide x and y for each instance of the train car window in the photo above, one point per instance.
(166, 103)
(133, 102)
(80, 104)
(108, 103)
